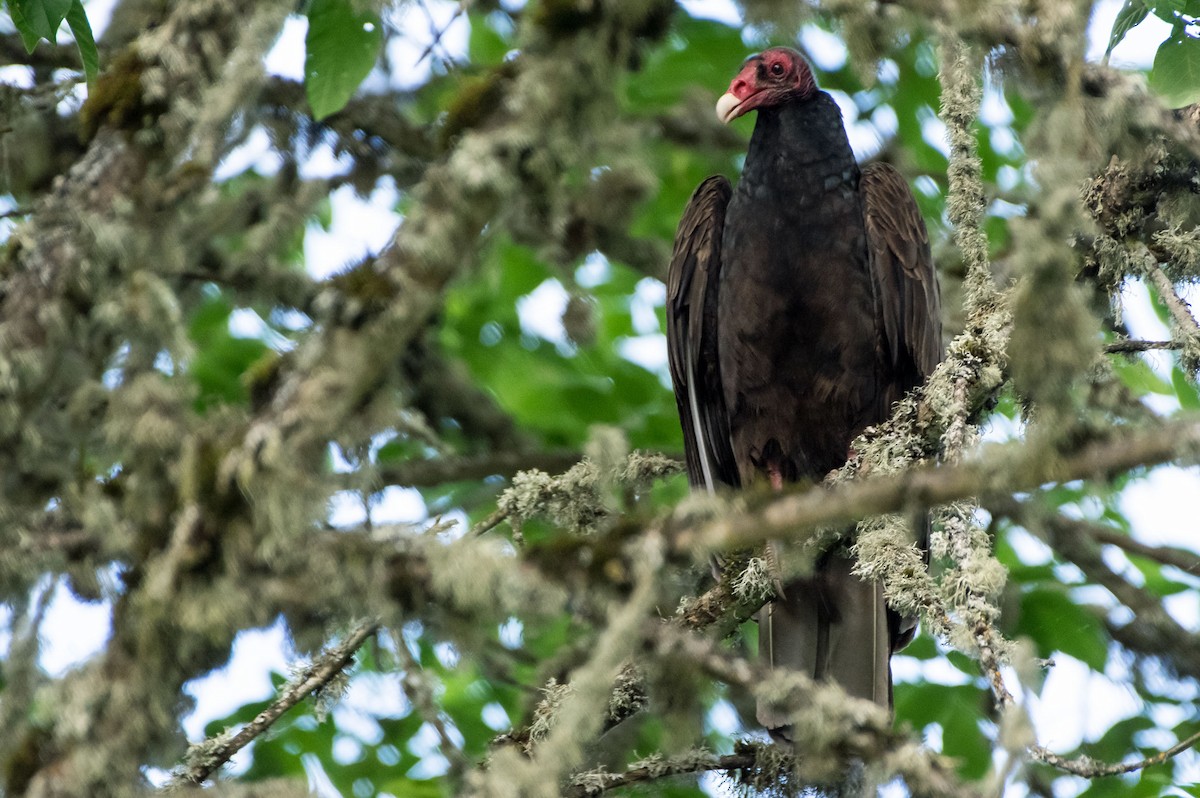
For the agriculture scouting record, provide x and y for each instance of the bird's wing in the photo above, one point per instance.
(909, 306)
(906, 287)
(692, 283)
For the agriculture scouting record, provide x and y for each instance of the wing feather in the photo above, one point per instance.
(692, 283)
(907, 296)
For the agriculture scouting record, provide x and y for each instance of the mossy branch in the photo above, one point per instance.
(203, 759)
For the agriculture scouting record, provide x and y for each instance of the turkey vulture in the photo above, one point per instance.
(801, 306)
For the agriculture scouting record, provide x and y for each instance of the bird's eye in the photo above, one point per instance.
(777, 69)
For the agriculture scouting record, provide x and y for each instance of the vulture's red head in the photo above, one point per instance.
(772, 77)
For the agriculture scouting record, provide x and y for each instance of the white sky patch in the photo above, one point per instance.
(425, 744)
(885, 121)
(346, 509)
(496, 718)
(993, 108)
(286, 58)
(594, 271)
(245, 678)
(720, 10)
(826, 50)
(360, 227)
(253, 153)
(512, 633)
(371, 695)
(723, 718)
(1136, 50)
(427, 21)
(72, 631)
(1138, 314)
(541, 311)
(1092, 701)
(397, 505)
(648, 351)
(648, 296)
(1162, 506)
(934, 132)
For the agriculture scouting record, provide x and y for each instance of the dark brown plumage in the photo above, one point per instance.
(801, 306)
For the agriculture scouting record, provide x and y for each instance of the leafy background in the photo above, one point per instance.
(550, 340)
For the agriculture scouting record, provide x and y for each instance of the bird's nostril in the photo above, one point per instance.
(739, 88)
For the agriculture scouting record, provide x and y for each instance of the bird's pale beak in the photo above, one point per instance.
(727, 107)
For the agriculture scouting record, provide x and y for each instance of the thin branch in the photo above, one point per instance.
(849, 728)
(1090, 769)
(491, 522)
(1185, 322)
(1182, 559)
(1132, 345)
(435, 42)
(1153, 632)
(204, 758)
(53, 56)
(658, 767)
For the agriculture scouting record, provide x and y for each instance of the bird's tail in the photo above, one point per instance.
(831, 625)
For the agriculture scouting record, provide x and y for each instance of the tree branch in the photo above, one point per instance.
(203, 759)
(1000, 470)
(1184, 560)
(1153, 632)
(1090, 769)
(658, 767)
(1131, 346)
(1185, 323)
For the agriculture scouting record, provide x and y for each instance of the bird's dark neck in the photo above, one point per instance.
(799, 136)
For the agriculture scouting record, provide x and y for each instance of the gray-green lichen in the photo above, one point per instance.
(582, 499)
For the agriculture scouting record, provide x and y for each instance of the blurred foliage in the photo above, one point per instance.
(555, 388)
(562, 344)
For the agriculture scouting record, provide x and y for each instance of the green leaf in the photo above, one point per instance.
(38, 19)
(82, 31)
(486, 46)
(1176, 71)
(340, 50)
(1185, 390)
(1128, 18)
(221, 359)
(1137, 375)
(1055, 623)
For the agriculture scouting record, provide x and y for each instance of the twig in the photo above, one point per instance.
(1182, 559)
(1089, 768)
(1154, 632)
(491, 522)
(850, 728)
(437, 32)
(1180, 312)
(1132, 345)
(657, 767)
(204, 758)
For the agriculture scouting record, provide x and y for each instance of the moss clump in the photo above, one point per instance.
(117, 100)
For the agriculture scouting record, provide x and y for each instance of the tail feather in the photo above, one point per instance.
(832, 625)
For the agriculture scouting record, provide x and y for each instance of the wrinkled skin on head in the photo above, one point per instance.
(769, 78)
